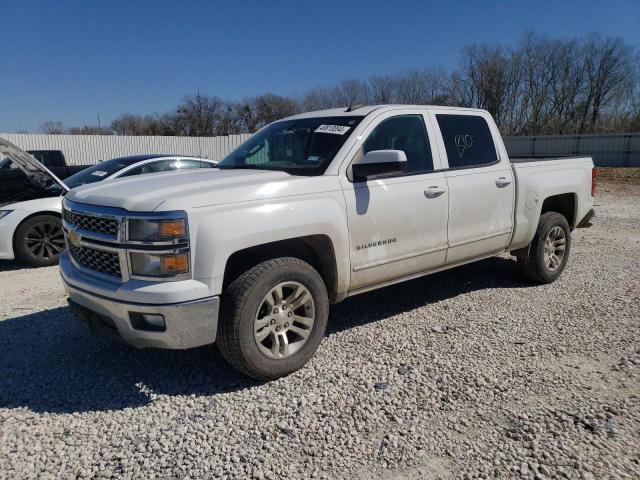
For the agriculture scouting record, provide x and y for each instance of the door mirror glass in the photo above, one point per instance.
(380, 163)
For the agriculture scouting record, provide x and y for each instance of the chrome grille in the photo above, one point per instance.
(92, 223)
(98, 260)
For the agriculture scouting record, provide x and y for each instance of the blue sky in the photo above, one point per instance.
(72, 60)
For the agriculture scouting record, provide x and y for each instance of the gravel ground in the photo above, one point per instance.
(464, 374)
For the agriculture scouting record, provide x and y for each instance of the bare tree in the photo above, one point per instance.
(609, 69)
(420, 87)
(199, 114)
(546, 86)
(52, 127)
(382, 89)
(130, 124)
(314, 99)
(259, 111)
(90, 130)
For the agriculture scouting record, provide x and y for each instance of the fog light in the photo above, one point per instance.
(154, 319)
(153, 322)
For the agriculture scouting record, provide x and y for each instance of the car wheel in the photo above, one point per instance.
(549, 249)
(39, 241)
(273, 318)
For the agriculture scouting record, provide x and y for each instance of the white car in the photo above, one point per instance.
(30, 228)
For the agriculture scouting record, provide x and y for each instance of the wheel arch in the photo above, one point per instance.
(317, 250)
(30, 216)
(564, 204)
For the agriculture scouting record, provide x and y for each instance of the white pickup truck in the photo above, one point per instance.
(310, 210)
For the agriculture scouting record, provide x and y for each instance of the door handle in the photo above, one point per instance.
(502, 182)
(433, 192)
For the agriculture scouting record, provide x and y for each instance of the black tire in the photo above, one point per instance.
(533, 264)
(241, 302)
(39, 241)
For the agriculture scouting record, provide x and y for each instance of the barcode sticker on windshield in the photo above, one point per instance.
(99, 173)
(336, 129)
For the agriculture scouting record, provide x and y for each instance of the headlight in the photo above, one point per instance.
(143, 230)
(4, 213)
(159, 265)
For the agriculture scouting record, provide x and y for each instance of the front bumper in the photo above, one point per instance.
(187, 324)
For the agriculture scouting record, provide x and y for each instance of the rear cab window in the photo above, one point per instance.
(467, 140)
(49, 158)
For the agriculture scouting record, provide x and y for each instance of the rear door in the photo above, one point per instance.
(480, 181)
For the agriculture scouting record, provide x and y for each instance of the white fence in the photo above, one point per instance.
(607, 150)
(90, 149)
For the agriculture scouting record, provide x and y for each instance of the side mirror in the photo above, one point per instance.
(378, 163)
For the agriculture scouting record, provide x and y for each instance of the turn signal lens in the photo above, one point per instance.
(171, 228)
(174, 263)
(149, 230)
(159, 265)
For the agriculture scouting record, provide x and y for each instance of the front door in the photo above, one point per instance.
(397, 224)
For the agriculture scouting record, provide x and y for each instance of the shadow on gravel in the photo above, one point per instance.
(50, 363)
(495, 272)
(10, 265)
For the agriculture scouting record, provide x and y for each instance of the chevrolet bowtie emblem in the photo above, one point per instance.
(73, 236)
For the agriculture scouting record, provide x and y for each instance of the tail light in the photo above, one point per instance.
(593, 182)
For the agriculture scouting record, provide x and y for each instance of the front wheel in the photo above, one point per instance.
(273, 318)
(549, 249)
(38, 241)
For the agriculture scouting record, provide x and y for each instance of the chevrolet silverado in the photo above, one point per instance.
(310, 210)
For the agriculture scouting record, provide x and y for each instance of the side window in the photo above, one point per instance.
(40, 157)
(187, 164)
(467, 139)
(151, 167)
(53, 158)
(406, 133)
(259, 154)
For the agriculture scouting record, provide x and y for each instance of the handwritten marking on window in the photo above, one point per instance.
(463, 143)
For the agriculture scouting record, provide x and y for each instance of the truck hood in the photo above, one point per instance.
(197, 188)
(37, 173)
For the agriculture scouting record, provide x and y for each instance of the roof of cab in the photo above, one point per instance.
(338, 112)
(366, 110)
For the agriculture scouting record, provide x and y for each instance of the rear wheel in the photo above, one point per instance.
(39, 241)
(273, 318)
(549, 249)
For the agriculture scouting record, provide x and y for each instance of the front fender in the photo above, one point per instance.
(219, 231)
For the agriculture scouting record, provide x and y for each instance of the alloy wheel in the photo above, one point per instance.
(284, 320)
(554, 248)
(44, 241)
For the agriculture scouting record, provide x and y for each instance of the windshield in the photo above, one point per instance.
(96, 173)
(304, 146)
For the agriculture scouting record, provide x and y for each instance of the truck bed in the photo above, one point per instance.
(540, 178)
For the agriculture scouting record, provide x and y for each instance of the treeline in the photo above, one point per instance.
(540, 86)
